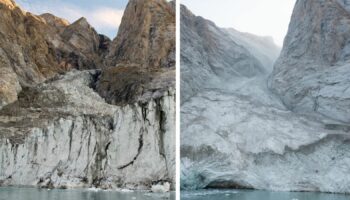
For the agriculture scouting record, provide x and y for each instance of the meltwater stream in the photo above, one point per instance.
(45, 194)
(258, 195)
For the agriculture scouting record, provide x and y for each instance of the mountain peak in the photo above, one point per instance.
(144, 24)
(82, 22)
(54, 21)
(9, 3)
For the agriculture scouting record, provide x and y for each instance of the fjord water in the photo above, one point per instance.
(258, 195)
(35, 194)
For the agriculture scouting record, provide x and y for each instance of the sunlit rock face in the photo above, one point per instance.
(236, 133)
(141, 59)
(313, 72)
(68, 120)
(8, 3)
(34, 48)
(55, 21)
(146, 35)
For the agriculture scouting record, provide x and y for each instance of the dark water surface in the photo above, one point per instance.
(44, 194)
(258, 195)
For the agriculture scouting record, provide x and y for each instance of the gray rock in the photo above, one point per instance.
(210, 54)
(312, 73)
(62, 134)
(239, 141)
(111, 127)
(262, 48)
(236, 133)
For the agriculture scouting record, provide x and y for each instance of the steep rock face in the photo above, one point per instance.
(262, 48)
(147, 42)
(58, 132)
(62, 134)
(87, 42)
(141, 60)
(312, 73)
(238, 134)
(32, 49)
(59, 23)
(9, 3)
(210, 53)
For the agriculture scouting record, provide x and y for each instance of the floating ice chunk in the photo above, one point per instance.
(161, 188)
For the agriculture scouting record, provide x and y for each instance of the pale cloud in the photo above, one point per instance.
(102, 19)
(106, 17)
(105, 20)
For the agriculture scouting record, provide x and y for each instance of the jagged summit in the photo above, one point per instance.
(141, 59)
(145, 40)
(82, 22)
(85, 38)
(35, 48)
(67, 119)
(54, 20)
(139, 39)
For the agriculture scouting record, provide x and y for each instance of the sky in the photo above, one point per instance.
(104, 15)
(259, 17)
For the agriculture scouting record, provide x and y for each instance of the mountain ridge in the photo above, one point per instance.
(311, 75)
(220, 57)
(61, 129)
(238, 132)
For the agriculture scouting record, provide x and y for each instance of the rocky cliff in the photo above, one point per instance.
(60, 128)
(312, 73)
(144, 53)
(62, 134)
(152, 36)
(212, 54)
(236, 133)
(34, 48)
(262, 48)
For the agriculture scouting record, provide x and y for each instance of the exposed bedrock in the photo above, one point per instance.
(141, 59)
(54, 136)
(34, 48)
(146, 35)
(74, 114)
(313, 72)
(260, 146)
(211, 55)
(237, 133)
